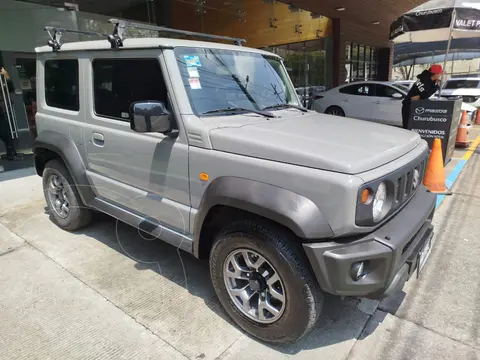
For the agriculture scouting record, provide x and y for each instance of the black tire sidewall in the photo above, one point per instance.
(303, 300)
(328, 111)
(75, 214)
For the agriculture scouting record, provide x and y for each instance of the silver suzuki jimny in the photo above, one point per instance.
(206, 146)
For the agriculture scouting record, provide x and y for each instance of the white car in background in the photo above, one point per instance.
(407, 83)
(468, 88)
(377, 101)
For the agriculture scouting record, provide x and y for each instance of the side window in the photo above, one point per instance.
(61, 84)
(385, 91)
(358, 89)
(120, 82)
(365, 90)
(350, 90)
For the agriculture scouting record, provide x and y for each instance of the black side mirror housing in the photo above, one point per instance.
(150, 116)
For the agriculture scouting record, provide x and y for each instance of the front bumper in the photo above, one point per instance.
(390, 253)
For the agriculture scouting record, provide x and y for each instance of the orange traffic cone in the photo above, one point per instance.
(434, 179)
(462, 140)
(477, 118)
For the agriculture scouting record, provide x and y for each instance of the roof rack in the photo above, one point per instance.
(116, 39)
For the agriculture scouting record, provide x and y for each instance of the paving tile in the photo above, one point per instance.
(387, 337)
(45, 313)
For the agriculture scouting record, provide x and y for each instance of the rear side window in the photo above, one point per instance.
(358, 89)
(120, 82)
(462, 84)
(61, 84)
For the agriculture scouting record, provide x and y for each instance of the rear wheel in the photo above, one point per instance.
(63, 201)
(335, 110)
(263, 281)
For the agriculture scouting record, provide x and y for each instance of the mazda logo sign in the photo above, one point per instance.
(419, 110)
(416, 179)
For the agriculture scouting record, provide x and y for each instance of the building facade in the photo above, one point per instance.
(324, 43)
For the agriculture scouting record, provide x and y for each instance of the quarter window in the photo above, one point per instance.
(61, 84)
(120, 82)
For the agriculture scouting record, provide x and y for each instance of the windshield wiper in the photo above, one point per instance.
(279, 106)
(238, 109)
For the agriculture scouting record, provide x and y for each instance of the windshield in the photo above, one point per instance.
(222, 79)
(461, 84)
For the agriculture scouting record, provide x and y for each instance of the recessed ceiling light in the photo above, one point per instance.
(340, 8)
(375, 22)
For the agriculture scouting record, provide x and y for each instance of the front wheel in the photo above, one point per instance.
(335, 110)
(263, 281)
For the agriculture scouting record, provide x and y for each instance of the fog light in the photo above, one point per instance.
(356, 272)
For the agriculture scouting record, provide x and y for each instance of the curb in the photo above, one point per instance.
(452, 177)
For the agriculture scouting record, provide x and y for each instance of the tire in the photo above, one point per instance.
(335, 110)
(78, 216)
(303, 299)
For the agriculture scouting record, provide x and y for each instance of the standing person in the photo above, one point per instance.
(427, 84)
(5, 133)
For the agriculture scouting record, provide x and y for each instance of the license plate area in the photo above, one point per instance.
(424, 254)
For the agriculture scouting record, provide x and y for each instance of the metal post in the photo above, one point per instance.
(453, 61)
(454, 15)
(4, 84)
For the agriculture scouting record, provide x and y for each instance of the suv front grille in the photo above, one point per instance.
(406, 184)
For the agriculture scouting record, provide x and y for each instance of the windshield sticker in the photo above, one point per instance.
(192, 60)
(193, 72)
(194, 83)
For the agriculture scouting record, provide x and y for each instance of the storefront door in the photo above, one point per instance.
(19, 106)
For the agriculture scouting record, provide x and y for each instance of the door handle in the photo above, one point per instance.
(98, 139)
(376, 102)
(345, 100)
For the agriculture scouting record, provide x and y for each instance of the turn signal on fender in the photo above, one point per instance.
(204, 176)
(434, 179)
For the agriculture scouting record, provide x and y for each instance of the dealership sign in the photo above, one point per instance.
(433, 119)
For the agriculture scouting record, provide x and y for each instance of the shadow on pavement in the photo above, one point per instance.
(16, 169)
(340, 321)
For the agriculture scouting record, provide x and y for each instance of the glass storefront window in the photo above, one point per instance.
(360, 62)
(307, 66)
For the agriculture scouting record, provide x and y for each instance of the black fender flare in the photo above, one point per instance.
(68, 152)
(283, 206)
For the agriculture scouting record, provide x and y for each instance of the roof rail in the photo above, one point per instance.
(120, 26)
(116, 39)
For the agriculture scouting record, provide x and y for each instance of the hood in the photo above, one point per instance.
(318, 141)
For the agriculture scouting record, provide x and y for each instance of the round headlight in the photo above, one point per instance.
(379, 202)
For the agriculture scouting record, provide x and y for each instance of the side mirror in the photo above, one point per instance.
(150, 116)
(397, 96)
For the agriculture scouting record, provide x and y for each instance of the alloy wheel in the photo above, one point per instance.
(254, 286)
(57, 195)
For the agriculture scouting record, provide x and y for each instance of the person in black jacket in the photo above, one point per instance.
(426, 85)
(5, 133)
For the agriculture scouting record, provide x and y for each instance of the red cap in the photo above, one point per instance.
(436, 69)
